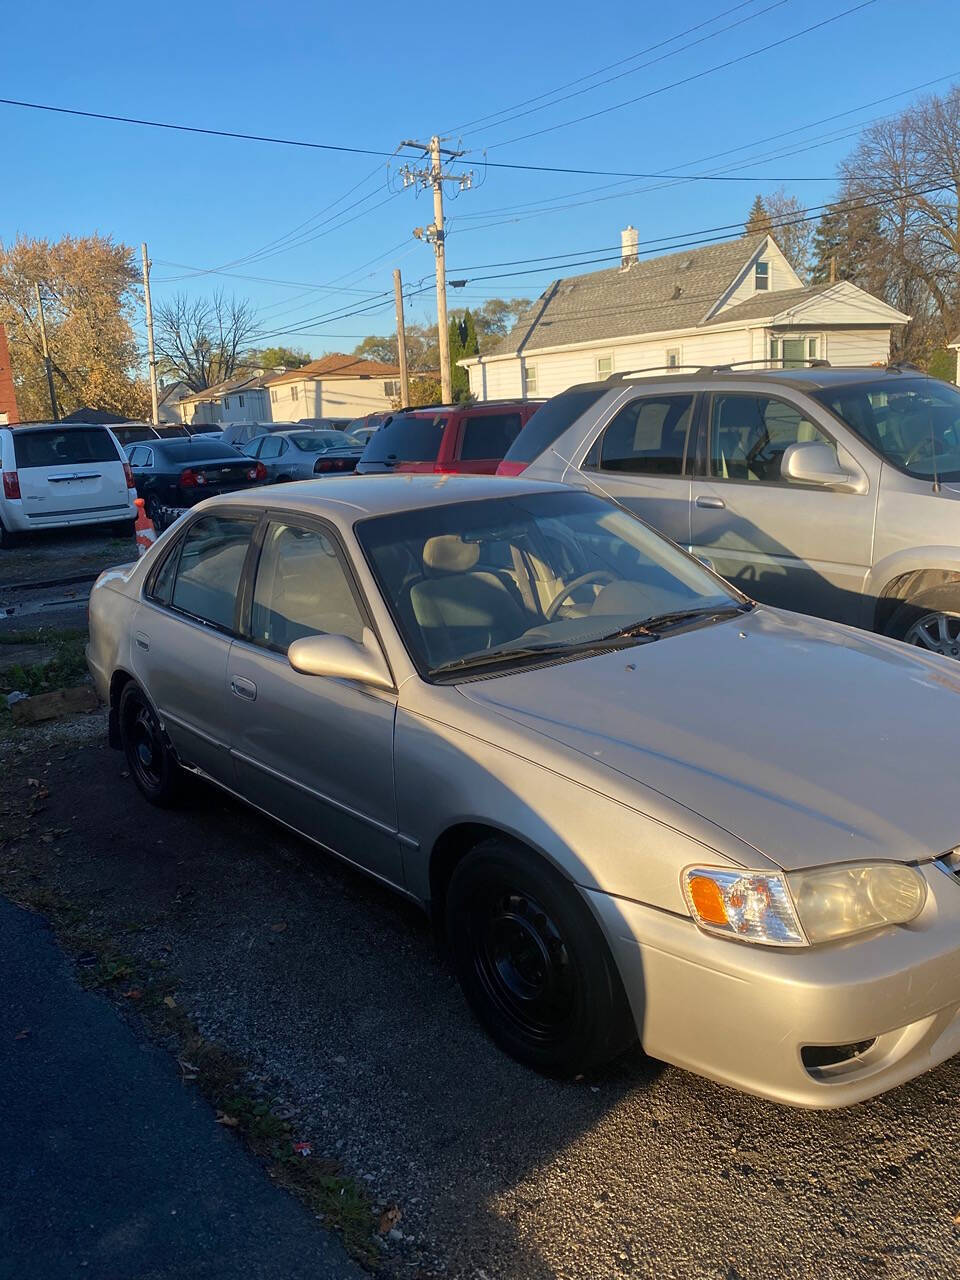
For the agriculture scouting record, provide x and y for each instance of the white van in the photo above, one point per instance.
(58, 474)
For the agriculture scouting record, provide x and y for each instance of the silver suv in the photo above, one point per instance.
(828, 491)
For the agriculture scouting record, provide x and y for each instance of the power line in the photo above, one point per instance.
(698, 75)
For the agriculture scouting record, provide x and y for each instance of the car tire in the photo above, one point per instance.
(930, 620)
(150, 758)
(8, 540)
(533, 962)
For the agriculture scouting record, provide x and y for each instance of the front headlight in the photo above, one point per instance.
(804, 907)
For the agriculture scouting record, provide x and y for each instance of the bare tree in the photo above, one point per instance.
(200, 341)
(788, 228)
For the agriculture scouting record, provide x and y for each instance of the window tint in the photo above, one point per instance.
(647, 437)
(301, 589)
(551, 420)
(210, 567)
(750, 434)
(407, 439)
(160, 587)
(63, 448)
(137, 456)
(489, 435)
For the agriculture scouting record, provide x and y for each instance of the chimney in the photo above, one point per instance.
(628, 247)
(8, 398)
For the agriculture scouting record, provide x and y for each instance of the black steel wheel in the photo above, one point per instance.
(150, 758)
(533, 962)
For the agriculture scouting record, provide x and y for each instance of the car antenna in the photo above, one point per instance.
(597, 485)
(933, 447)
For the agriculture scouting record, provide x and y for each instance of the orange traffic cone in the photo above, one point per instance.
(144, 528)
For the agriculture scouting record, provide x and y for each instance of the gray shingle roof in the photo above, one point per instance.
(768, 304)
(672, 292)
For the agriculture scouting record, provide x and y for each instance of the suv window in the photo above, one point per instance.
(301, 590)
(407, 439)
(647, 437)
(489, 435)
(750, 434)
(63, 448)
(211, 563)
(551, 420)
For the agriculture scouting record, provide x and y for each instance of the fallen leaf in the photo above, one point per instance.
(231, 1122)
(389, 1218)
(169, 1002)
(133, 994)
(956, 1221)
(279, 927)
(22, 1035)
(303, 1148)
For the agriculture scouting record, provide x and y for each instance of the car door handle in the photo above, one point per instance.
(244, 688)
(713, 504)
(143, 641)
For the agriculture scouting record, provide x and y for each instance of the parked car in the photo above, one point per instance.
(468, 438)
(210, 429)
(300, 454)
(240, 433)
(131, 432)
(173, 475)
(56, 475)
(363, 428)
(638, 805)
(329, 424)
(832, 491)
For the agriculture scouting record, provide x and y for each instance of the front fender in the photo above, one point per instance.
(943, 559)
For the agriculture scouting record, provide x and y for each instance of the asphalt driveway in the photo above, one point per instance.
(334, 994)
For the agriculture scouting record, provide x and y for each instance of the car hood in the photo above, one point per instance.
(810, 741)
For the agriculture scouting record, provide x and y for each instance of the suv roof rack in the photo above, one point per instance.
(705, 369)
(904, 366)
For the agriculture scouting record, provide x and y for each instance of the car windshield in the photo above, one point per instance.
(913, 422)
(536, 577)
(319, 441)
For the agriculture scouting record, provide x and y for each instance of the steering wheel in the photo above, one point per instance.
(594, 575)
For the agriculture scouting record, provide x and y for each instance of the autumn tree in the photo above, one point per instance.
(203, 341)
(791, 229)
(89, 286)
(276, 358)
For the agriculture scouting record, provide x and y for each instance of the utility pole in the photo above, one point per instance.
(54, 411)
(401, 340)
(435, 177)
(151, 358)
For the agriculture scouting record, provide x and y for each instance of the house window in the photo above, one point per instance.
(604, 366)
(391, 389)
(294, 392)
(673, 358)
(273, 395)
(240, 401)
(793, 352)
(761, 276)
(226, 402)
(529, 379)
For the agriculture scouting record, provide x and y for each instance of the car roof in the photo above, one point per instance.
(814, 378)
(349, 498)
(20, 427)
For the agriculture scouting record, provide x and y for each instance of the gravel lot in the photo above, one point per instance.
(334, 993)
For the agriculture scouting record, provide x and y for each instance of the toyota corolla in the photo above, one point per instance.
(640, 806)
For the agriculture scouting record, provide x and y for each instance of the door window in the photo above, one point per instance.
(647, 437)
(489, 435)
(750, 434)
(137, 457)
(301, 590)
(210, 567)
(270, 447)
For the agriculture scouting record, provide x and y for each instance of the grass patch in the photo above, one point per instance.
(67, 666)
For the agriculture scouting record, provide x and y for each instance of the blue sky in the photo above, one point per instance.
(371, 77)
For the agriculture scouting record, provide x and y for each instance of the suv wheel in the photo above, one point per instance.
(533, 963)
(930, 620)
(150, 758)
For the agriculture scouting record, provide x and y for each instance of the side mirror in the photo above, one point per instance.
(810, 462)
(342, 659)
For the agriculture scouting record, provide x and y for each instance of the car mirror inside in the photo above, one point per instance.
(810, 462)
(341, 658)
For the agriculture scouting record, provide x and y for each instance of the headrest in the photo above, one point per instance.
(450, 554)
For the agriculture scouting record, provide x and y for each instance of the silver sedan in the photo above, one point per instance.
(638, 805)
(293, 455)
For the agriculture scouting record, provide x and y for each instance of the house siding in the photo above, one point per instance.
(782, 276)
(857, 346)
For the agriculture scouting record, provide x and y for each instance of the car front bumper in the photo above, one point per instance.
(740, 1013)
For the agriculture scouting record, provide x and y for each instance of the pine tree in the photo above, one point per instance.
(463, 343)
(758, 219)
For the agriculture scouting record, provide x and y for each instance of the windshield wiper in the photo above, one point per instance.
(492, 657)
(659, 621)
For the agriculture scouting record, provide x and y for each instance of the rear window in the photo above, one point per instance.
(63, 448)
(551, 421)
(407, 439)
(489, 435)
(190, 451)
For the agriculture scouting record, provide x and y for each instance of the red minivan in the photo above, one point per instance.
(468, 438)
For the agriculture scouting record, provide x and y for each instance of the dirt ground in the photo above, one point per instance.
(333, 996)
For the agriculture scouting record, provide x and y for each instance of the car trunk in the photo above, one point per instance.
(70, 471)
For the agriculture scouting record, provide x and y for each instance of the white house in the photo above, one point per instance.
(335, 386)
(736, 301)
(241, 399)
(955, 346)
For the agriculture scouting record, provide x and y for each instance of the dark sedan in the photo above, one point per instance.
(172, 475)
